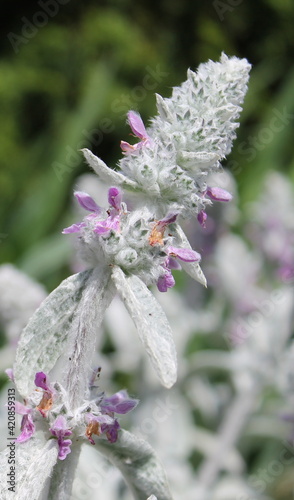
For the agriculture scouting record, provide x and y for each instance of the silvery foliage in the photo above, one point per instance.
(192, 133)
(19, 298)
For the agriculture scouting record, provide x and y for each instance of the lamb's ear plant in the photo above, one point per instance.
(167, 173)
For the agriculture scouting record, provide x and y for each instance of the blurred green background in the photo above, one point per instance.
(70, 70)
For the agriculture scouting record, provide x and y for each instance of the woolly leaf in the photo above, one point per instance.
(106, 174)
(90, 311)
(152, 325)
(192, 268)
(139, 465)
(43, 339)
(34, 461)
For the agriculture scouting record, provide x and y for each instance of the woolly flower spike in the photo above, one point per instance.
(60, 430)
(192, 134)
(139, 130)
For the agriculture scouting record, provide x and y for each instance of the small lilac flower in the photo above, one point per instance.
(102, 227)
(157, 233)
(74, 228)
(59, 429)
(94, 425)
(166, 281)
(184, 254)
(120, 402)
(41, 380)
(111, 431)
(87, 202)
(202, 216)
(115, 198)
(139, 130)
(9, 373)
(27, 426)
(218, 194)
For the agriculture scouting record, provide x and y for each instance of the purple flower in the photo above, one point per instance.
(9, 373)
(218, 194)
(120, 402)
(102, 227)
(112, 223)
(59, 429)
(166, 281)
(139, 130)
(111, 431)
(41, 380)
(115, 198)
(184, 254)
(87, 202)
(95, 423)
(202, 216)
(27, 426)
(157, 233)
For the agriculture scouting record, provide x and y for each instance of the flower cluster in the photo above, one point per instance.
(134, 241)
(49, 404)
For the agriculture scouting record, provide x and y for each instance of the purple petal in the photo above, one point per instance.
(101, 419)
(166, 281)
(21, 409)
(41, 380)
(126, 147)
(137, 125)
(87, 202)
(172, 263)
(75, 228)
(9, 373)
(119, 403)
(27, 428)
(114, 197)
(168, 219)
(64, 448)
(202, 216)
(111, 431)
(185, 254)
(59, 427)
(218, 194)
(105, 226)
